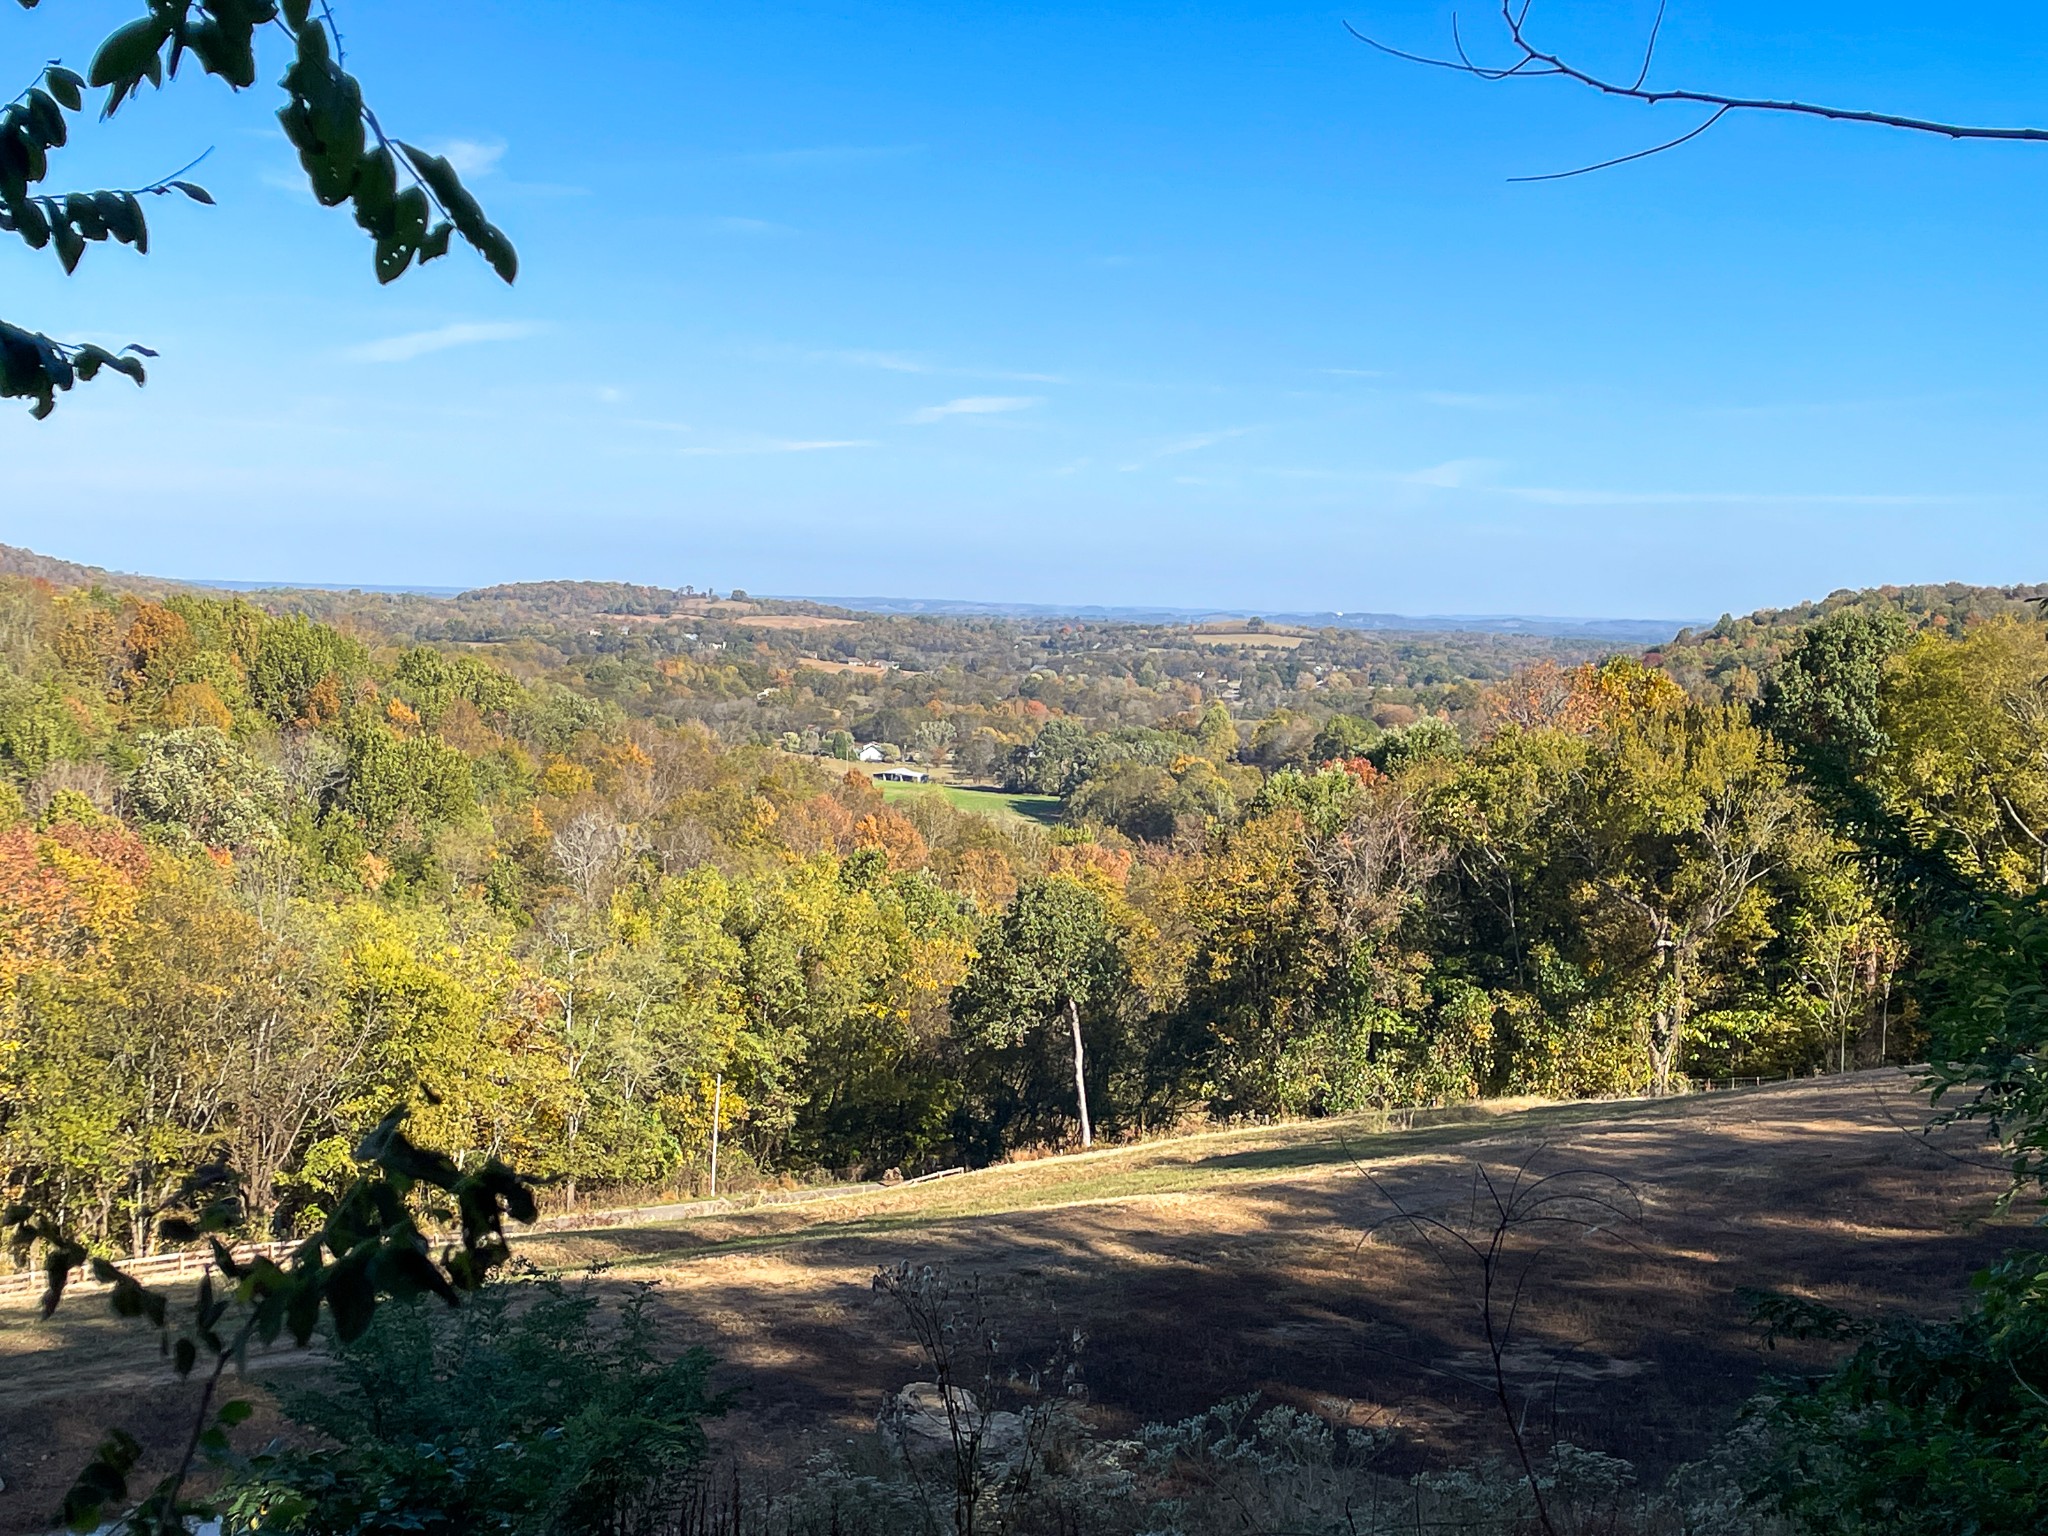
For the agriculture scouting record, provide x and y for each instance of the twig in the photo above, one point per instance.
(1532, 62)
(1641, 154)
(41, 75)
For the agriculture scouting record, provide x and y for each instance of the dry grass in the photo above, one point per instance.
(795, 621)
(1238, 1260)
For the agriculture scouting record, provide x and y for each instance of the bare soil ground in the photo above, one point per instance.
(1258, 1260)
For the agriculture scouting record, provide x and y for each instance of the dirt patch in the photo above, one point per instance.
(1260, 1261)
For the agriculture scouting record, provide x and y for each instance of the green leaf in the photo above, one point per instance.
(46, 118)
(14, 167)
(351, 1299)
(122, 216)
(103, 1481)
(447, 187)
(497, 250)
(70, 244)
(83, 211)
(187, 1353)
(128, 53)
(193, 190)
(68, 86)
(31, 223)
(302, 1310)
(296, 12)
(376, 192)
(235, 1410)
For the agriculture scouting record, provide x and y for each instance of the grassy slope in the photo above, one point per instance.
(1044, 809)
(1209, 1163)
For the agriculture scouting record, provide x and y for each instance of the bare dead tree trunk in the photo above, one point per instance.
(1667, 1023)
(1080, 1074)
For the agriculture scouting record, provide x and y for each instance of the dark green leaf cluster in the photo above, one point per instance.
(347, 159)
(537, 1408)
(1934, 1428)
(411, 203)
(375, 1247)
(1988, 989)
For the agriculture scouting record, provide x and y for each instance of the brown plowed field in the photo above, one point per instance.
(1261, 1260)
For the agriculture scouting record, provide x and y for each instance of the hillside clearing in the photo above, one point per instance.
(1211, 1265)
(1043, 809)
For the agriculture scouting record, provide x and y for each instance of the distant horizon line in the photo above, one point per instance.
(1549, 626)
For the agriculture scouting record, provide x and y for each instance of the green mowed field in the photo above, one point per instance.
(1043, 809)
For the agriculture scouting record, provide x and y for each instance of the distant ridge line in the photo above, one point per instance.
(1643, 631)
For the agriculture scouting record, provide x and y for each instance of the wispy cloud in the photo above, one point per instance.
(292, 183)
(1455, 400)
(1180, 445)
(974, 405)
(733, 225)
(751, 443)
(1200, 441)
(888, 362)
(1561, 496)
(471, 157)
(1453, 474)
(403, 349)
(776, 445)
(906, 362)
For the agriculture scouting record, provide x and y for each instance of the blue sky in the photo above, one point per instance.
(1135, 303)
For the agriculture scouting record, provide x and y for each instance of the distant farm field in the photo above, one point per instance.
(1043, 809)
(795, 621)
(1251, 637)
(819, 664)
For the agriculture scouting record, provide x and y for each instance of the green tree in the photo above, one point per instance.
(300, 672)
(1050, 957)
(1683, 816)
(199, 786)
(410, 202)
(400, 788)
(1825, 700)
(1964, 759)
(1217, 732)
(1341, 737)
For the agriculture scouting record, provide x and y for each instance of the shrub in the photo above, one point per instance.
(536, 1409)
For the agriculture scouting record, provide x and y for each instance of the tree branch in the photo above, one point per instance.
(1531, 62)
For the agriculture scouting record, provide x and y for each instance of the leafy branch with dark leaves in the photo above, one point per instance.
(1986, 990)
(375, 1247)
(1526, 61)
(411, 203)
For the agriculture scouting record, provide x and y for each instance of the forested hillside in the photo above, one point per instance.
(265, 875)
